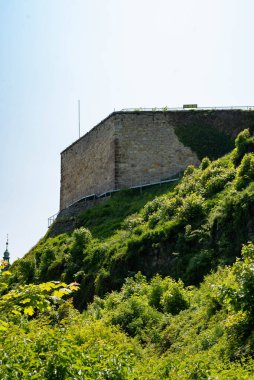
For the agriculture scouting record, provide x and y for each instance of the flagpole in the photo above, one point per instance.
(79, 118)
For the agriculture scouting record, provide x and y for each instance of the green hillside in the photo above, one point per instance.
(184, 232)
(164, 290)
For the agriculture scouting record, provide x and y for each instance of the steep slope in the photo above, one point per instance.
(149, 327)
(184, 233)
(155, 329)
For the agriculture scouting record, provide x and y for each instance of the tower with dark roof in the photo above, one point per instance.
(6, 256)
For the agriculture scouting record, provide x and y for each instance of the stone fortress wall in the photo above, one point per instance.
(132, 148)
(88, 165)
(148, 150)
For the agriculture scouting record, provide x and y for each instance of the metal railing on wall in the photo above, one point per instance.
(52, 218)
(108, 193)
(147, 183)
(165, 109)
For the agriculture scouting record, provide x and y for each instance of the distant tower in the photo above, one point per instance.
(6, 256)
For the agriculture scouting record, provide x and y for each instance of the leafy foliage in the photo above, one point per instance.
(163, 293)
(244, 143)
(245, 172)
(4, 274)
(190, 229)
(103, 220)
(30, 299)
(205, 140)
(208, 334)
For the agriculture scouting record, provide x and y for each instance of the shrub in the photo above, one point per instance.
(134, 315)
(193, 208)
(27, 270)
(241, 141)
(236, 287)
(134, 285)
(205, 163)
(151, 207)
(169, 207)
(47, 258)
(33, 299)
(217, 183)
(243, 298)
(157, 287)
(198, 266)
(74, 260)
(189, 171)
(132, 221)
(245, 172)
(244, 143)
(173, 299)
(82, 236)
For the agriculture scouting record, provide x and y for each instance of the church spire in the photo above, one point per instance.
(6, 256)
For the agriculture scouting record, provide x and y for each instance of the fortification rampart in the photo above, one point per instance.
(88, 166)
(147, 149)
(129, 148)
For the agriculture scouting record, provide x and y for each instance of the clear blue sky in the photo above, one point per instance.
(109, 54)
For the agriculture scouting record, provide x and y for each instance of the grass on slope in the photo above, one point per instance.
(171, 330)
(183, 233)
(50, 256)
(103, 220)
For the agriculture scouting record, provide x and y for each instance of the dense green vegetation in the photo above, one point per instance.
(155, 329)
(161, 290)
(190, 229)
(104, 219)
(205, 140)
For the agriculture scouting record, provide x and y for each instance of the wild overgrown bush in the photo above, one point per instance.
(245, 171)
(167, 297)
(150, 329)
(191, 228)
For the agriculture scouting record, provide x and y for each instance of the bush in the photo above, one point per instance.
(157, 287)
(189, 171)
(134, 315)
(245, 172)
(173, 299)
(243, 270)
(236, 290)
(217, 183)
(193, 208)
(244, 143)
(82, 236)
(241, 141)
(198, 266)
(205, 163)
(151, 207)
(131, 222)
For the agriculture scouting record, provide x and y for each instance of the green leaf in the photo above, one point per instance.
(16, 312)
(47, 286)
(60, 293)
(26, 300)
(29, 310)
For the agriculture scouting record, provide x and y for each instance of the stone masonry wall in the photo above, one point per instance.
(88, 165)
(130, 148)
(148, 150)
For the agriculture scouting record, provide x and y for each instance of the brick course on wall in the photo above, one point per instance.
(130, 148)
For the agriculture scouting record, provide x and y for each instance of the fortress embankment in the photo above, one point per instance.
(138, 147)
